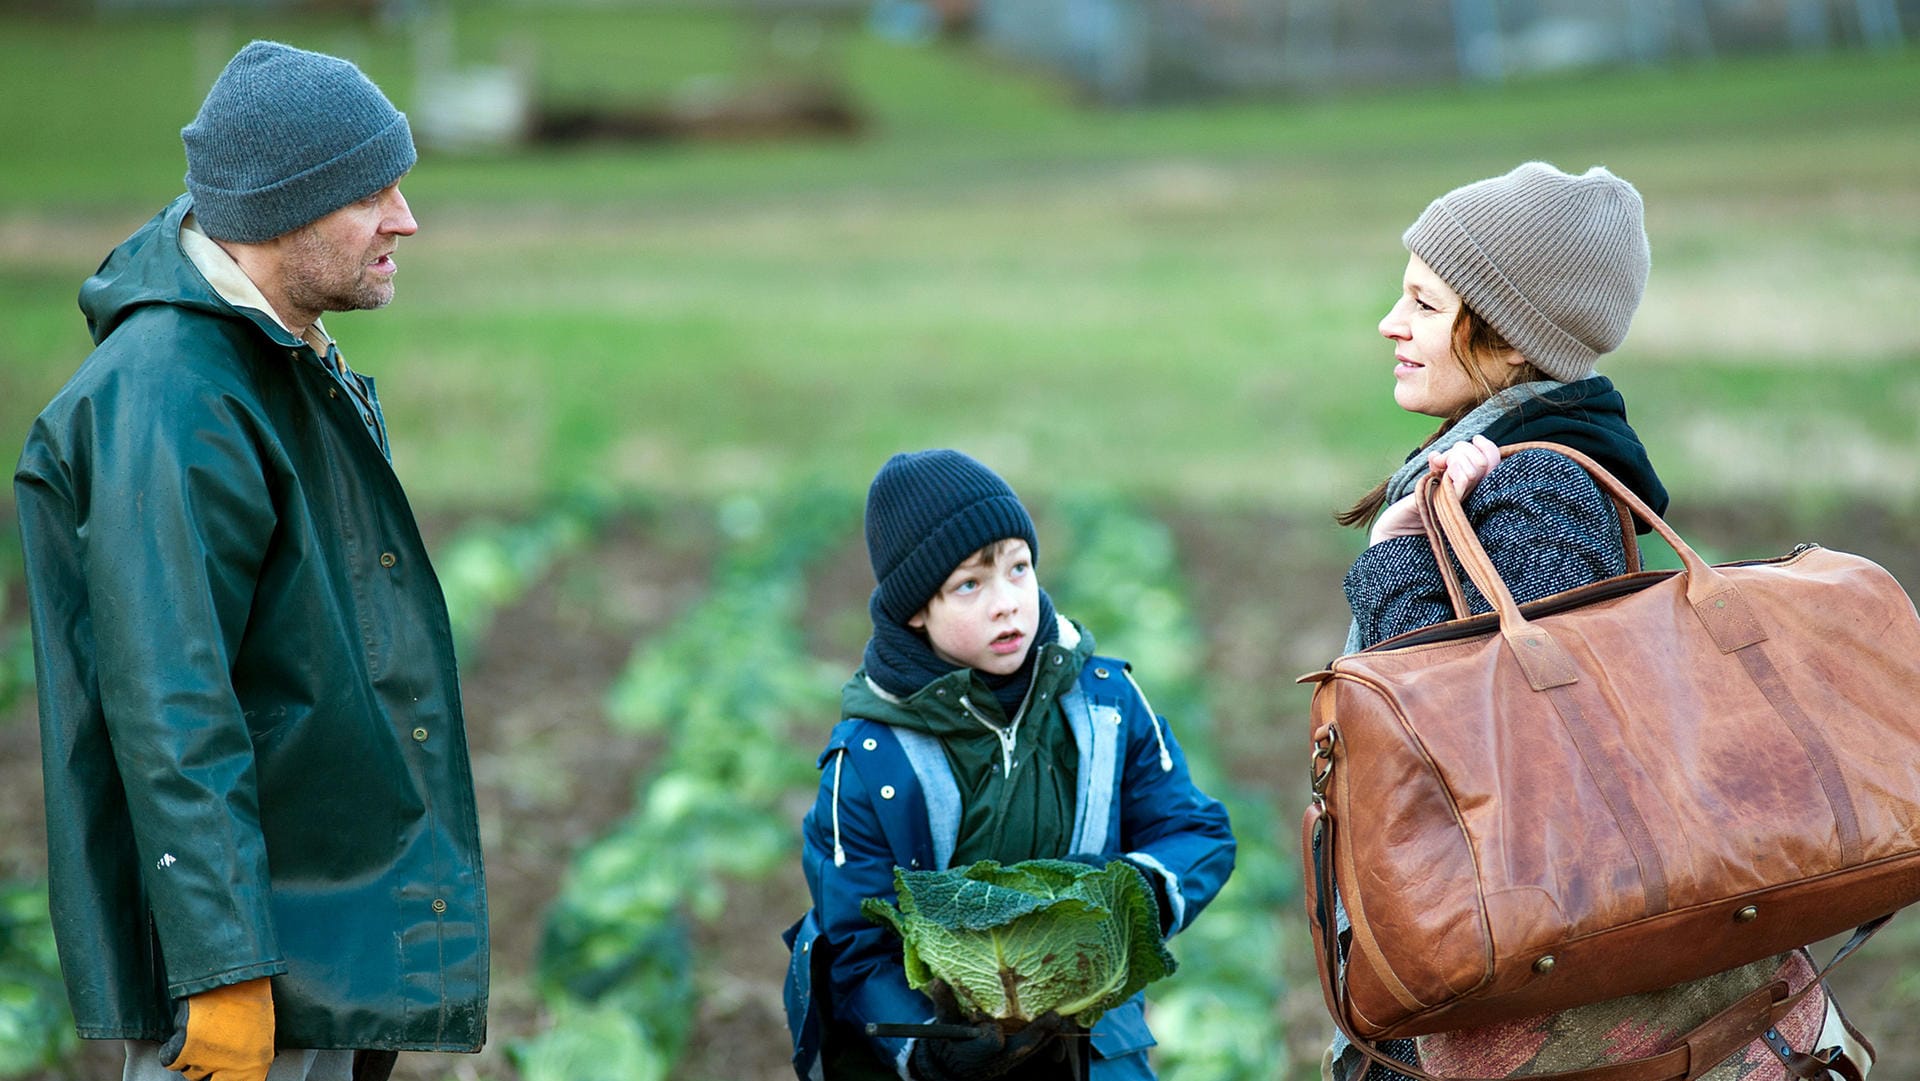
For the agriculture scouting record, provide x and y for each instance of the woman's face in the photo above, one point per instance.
(1426, 377)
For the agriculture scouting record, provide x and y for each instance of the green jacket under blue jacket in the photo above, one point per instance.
(255, 759)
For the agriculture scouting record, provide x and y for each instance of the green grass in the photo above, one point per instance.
(1180, 301)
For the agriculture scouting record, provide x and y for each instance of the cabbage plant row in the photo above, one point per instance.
(726, 685)
(36, 1028)
(488, 566)
(1218, 1018)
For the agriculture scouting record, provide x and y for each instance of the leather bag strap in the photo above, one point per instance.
(1423, 493)
(1714, 599)
(1693, 1054)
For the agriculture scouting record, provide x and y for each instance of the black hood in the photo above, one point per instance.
(1591, 417)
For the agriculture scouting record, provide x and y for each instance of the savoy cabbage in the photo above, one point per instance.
(1012, 943)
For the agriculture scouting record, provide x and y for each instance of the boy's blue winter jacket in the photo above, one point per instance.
(888, 798)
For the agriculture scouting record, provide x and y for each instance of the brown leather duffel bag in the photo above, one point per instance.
(1612, 790)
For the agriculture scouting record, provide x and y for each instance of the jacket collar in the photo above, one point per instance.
(942, 706)
(152, 267)
(230, 282)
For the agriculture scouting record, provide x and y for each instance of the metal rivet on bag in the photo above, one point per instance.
(886, 791)
(1746, 915)
(439, 905)
(1100, 673)
(1544, 965)
(869, 743)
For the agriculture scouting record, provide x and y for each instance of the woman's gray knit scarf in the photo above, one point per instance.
(1402, 483)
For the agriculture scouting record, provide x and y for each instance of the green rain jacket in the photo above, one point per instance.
(1016, 779)
(255, 759)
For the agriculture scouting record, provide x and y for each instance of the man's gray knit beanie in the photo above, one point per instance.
(286, 137)
(1555, 262)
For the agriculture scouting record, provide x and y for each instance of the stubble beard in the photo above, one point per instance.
(318, 278)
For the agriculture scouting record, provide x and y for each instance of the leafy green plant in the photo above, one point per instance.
(723, 685)
(487, 566)
(599, 1041)
(1218, 1021)
(1012, 943)
(36, 1031)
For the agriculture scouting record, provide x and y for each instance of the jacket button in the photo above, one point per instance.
(1099, 673)
(387, 559)
(333, 392)
(886, 791)
(419, 735)
(439, 905)
(869, 743)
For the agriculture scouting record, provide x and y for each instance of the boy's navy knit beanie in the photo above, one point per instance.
(1557, 263)
(927, 512)
(285, 138)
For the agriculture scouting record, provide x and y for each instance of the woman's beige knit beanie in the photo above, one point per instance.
(1555, 262)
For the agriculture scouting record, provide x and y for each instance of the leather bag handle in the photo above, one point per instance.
(1629, 542)
(1693, 1053)
(1714, 599)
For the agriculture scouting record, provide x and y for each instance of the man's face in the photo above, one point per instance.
(344, 261)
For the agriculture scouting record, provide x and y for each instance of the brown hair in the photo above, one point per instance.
(1474, 341)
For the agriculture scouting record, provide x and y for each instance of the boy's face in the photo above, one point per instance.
(987, 611)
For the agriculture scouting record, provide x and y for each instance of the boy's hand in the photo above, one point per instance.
(225, 1034)
(991, 1054)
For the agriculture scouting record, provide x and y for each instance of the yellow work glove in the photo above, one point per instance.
(225, 1034)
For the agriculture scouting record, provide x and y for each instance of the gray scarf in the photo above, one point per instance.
(1402, 483)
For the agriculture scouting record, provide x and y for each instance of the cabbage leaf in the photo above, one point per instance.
(1012, 943)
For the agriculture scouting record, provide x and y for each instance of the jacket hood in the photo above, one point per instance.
(1591, 417)
(937, 709)
(149, 268)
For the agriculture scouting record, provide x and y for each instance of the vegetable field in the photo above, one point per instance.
(636, 392)
(648, 684)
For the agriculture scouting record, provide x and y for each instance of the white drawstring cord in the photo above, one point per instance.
(839, 854)
(1166, 759)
